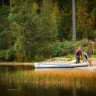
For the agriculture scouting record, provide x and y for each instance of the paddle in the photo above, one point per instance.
(89, 61)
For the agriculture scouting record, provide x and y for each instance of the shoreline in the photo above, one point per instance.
(15, 63)
(51, 61)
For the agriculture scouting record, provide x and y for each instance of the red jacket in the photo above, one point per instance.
(78, 53)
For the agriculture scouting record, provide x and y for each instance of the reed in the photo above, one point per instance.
(78, 79)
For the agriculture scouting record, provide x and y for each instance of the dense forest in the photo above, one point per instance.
(38, 29)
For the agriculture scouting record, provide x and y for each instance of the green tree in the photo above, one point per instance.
(49, 18)
(34, 32)
(85, 20)
(64, 27)
(24, 26)
(65, 24)
(4, 27)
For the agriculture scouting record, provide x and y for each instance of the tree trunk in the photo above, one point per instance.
(10, 9)
(10, 26)
(2, 2)
(52, 1)
(74, 20)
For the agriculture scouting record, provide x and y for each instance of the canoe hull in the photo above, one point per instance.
(40, 65)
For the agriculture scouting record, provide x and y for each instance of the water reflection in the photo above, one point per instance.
(37, 90)
(53, 69)
(47, 92)
(12, 68)
(74, 91)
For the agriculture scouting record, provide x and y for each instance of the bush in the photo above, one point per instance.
(19, 57)
(7, 55)
(3, 55)
(68, 47)
(86, 46)
(39, 58)
(89, 49)
(62, 48)
(57, 49)
(84, 43)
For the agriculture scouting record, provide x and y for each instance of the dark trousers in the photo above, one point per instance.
(77, 60)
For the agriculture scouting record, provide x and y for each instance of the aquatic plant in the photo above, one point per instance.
(66, 78)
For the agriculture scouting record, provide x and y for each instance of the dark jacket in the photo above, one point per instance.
(86, 55)
(78, 53)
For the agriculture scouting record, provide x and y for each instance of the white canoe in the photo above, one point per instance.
(40, 65)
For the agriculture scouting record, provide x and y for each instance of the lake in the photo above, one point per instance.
(19, 81)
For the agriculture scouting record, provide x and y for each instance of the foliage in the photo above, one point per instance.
(34, 32)
(35, 27)
(39, 58)
(69, 47)
(86, 46)
(84, 42)
(79, 35)
(4, 27)
(89, 49)
(57, 49)
(64, 26)
(25, 31)
(62, 48)
(8, 55)
(85, 20)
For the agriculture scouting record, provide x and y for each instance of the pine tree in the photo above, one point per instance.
(4, 28)
(48, 25)
(24, 26)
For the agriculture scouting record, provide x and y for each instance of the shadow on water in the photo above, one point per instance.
(41, 91)
(13, 68)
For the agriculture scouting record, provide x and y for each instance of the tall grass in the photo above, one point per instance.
(77, 79)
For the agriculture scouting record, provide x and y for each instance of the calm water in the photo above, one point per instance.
(46, 92)
(38, 90)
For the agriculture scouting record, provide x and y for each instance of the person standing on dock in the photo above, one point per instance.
(78, 54)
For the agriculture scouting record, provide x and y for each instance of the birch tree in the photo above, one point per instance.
(74, 20)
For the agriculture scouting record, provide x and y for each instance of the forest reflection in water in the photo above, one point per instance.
(41, 91)
(22, 84)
